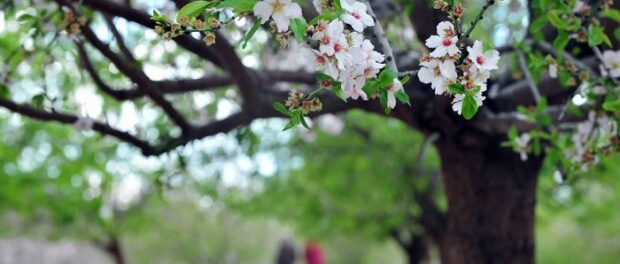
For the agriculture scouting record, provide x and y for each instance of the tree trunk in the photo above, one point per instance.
(115, 250)
(491, 198)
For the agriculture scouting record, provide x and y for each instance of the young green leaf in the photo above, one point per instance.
(596, 35)
(238, 6)
(299, 26)
(337, 89)
(386, 77)
(249, 34)
(327, 16)
(403, 97)
(4, 91)
(556, 20)
(612, 106)
(612, 14)
(456, 88)
(193, 9)
(281, 108)
(469, 107)
(561, 41)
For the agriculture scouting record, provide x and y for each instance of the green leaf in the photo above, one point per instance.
(612, 14)
(249, 34)
(469, 107)
(25, 18)
(383, 101)
(4, 91)
(337, 89)
(456, 88)
(556, 21)
(561, 41)
(192, 9)
(37, 100)
(405, 80)
(303, 122)
(403, 97)
(617, 33)
(296, 116)
(564, 76)
(612, 106)
(238, 6)
(386, 77)
(299, 26)
(281, 108)
(327, 16)
(596, 36)
(159, 18)
(371, 87)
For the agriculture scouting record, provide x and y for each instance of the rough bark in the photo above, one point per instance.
(491, 198)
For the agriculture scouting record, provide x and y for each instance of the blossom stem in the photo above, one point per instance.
(385, 44)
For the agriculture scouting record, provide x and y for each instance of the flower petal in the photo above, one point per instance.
(263, 10)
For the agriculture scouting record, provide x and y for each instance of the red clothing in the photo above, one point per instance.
(314, 254)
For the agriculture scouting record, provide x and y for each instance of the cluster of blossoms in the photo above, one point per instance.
(186, 25)
(307, 104)
(444, 66)
(596, 133)
(335, 47)
(72, 23)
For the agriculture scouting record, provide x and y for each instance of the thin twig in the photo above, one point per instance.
(407, 73)
(428, 141)
(385, 44)
(528, 75)
(488, 4)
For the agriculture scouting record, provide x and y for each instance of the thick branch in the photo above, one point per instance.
(102, 128)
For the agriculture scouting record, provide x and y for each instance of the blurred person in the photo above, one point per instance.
(286, 252)
(314, 253)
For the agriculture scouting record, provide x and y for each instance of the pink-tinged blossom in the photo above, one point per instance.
(393, 88)
(355, 15)
(484, 61)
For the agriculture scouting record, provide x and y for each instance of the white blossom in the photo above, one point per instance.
(438, 74)
(553, 70)
(393, 88)
(522, 143)
(611, 59)
(444, 42)
(485, 61)
(356, 16)
(281, 11)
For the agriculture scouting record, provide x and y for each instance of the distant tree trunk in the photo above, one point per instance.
(115, 250)
(414, 246)
(491, 198)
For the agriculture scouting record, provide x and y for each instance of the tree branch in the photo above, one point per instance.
(102, 128)
(382, 38)
(528, 76)
(137, 77)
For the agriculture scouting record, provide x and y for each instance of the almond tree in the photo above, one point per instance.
(557, 97)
